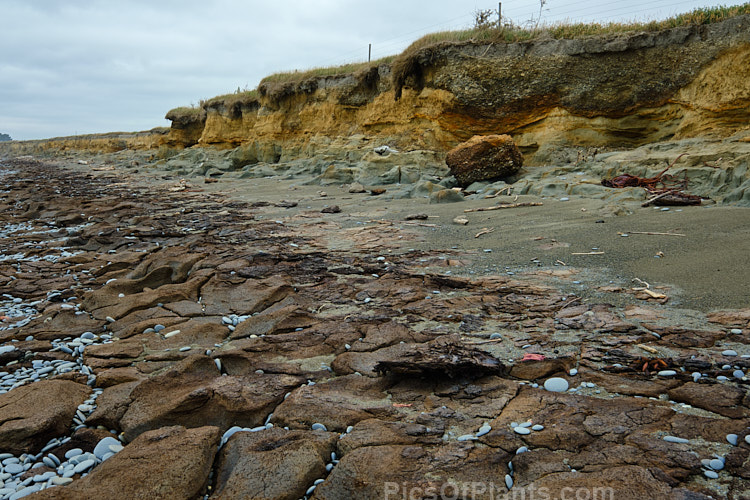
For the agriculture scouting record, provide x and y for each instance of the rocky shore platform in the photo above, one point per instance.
(165, 337)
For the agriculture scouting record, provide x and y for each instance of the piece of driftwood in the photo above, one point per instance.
(444, 357)
(653, 233)
(506, 205)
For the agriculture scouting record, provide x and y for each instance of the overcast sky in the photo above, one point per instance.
(72, 67)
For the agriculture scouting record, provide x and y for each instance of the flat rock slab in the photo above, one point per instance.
(166, 463)
(272, 464)
(375, 472)
(32, 414)
(193, 393)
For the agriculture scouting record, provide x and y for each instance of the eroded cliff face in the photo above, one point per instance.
(617, 91)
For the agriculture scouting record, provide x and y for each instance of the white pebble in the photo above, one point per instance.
(467, 437)
(522, 449)
(508, 481)
(738, 374)
(171, 334)
(729, 352)
(710, 474)
(522, 430)
(666, 373)
(675, 439)
(484, 430)
(573, 372)
(319, 427)
(736, 331)
(537, 427)
(732, 439)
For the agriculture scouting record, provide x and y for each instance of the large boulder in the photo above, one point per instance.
(166, 463)
(32, 414)
(484, 158)
(273, 464)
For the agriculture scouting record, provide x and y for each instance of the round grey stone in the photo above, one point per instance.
(716, 464)
(556, 384)
(732, 439)
(729, 352)
(522, 430)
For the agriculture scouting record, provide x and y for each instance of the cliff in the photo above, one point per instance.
(607, 91)
(618, 91)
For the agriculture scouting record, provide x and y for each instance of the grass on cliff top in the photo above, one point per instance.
(344, 69)
(512, 34)
(483, 34)
(243, 96)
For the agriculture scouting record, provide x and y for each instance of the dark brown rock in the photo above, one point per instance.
(442, 357)
(484, 158)
(272, 464)
(167, 463)
(32, 414)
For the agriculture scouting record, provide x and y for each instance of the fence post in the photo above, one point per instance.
(499, 15)
(369, 52)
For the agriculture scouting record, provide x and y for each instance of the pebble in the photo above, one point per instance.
(732, 439)
(522, 430)
(716, 464)
(73, 453)
(710, 474)
(484, 430)
(171, 334)
(666, 373)
(467, 437)
(25, 492)
(729, 352)
(675, 439)
(736, 331)
(573, 372)
(522, 449)
(696, 376)
(319, 427)
(738, 374)
(14, 468)
(85, 465)
(747, 439)
(103, 446)
(495, 336)
(508, 481)
(556, 384)
(537, 427)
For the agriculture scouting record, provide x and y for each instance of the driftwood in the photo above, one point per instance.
(667, 189)
(506, 205)
(444, 357)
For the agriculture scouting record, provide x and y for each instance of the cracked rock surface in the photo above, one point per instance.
(199, 346)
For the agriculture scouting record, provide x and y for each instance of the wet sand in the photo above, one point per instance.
(706, 269)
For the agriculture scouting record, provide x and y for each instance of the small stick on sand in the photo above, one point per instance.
(653, 233)
(505, 205)
(647, 348)
(587, 253)
(484, 231)
(558, 261)
(419, 224)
